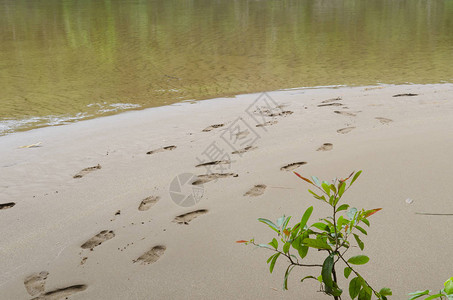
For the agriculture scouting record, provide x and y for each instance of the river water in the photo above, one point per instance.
(66, 60)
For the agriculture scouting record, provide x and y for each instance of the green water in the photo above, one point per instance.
(66, 60)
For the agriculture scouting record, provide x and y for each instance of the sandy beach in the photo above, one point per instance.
(89, 211)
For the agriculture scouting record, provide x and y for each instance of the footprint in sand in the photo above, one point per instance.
(384, 120)
(213, 163)
(345, 113)
(331, 100)
(293, 166)
(255, 191)
(167, 148)
(330, 104)
(243, 150)
(405, 95)
(212, 127)
(152, 255)
(7, 205)
(35, 286)
(35, 283)
(325, 147)
(86, 171)
(345, 130)
(186, 218)
(63, 293)
(98, 239)
(148, 202)
(210, 177)
(268, 123)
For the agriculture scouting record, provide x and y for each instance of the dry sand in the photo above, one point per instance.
(87, 214)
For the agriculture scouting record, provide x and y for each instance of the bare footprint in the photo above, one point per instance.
(62, 293)
(255, 191)
(345, 113)
(186, 218)
(7, 205)
(243, 150)
(384, 120)
(331, 100)
(293, 166)
(213, 163)
(35, 283)
(86, 171)
(152, 255)
(167, 148)
(325, 147)
(268, 123)
(212, 127)
(345, 130)
(330, 104)
(213, 176)
(148, 202)
(98, 239)
(405, 95)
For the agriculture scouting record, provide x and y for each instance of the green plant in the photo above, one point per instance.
(330, 234)
(445, 293)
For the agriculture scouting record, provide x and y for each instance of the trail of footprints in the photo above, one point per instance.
(35, 283)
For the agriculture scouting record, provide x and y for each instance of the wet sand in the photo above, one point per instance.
(90, 212)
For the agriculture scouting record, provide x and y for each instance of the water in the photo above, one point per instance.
(65, 60)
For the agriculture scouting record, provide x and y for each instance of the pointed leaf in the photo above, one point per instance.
(358, 260)
(385, 291)
(274, 243)
(285, 281)
(418, 294)
(286, 247)
(242, 241)
(341, 189)
(359, 241)
(308, 277)
(274, 259)
(326, 271)
(343, 207)
(318, 244)
(355, 177)
(303, 178)
(305, 217)
(354, 287)
(361, 230)
(449, 286)
(325, 187)
(321, 226)
(372, 212)
(347, 272)
(270, 224)
(316, 180)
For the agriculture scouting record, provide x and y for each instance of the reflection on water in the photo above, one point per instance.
(60, 58)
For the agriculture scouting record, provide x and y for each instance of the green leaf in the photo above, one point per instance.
(364, 294)
(303, 251)
(343, 207)
(341, 189)
(418, 294)
(449, 286)
(280, 221)
(305, 217)
(271, 257)
(333, 188)
(326, 271)
(270, 224)
(316, 243)
(358, 260)
(435, 296)
(274, 259)
(355, 177)
(325, 187)
(286, 247)
(316, 180)
(385, 291)
(359, 241)
(264, 246)
(285, 281)
(347, 272)
(321, 226)
(285, 223)
(274, 243)
(367, 223)
(354, 287)
(308, 277)
(361, 230)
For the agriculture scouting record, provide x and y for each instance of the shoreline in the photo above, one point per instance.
(403, 144)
